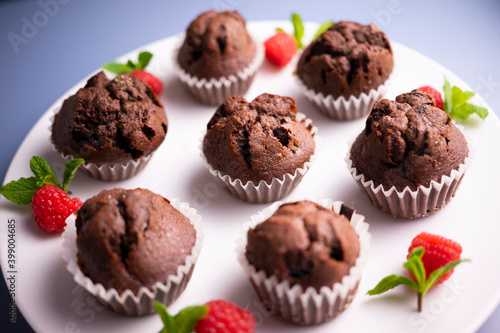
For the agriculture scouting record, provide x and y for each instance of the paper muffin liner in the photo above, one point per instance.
(342, 108)
(410, 203)
(112, 172)
(215, 91)
(292, 303)
(142, 303)
(105, 171)
(265, 192)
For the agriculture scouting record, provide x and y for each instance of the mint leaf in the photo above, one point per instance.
(447, 96)
(70, 169)
(49, 179)
(20, 191)
(436, 275)
(480, 111)
(322, 28)
(42, 172)
(143, 59)
(461, 112)
(456, 105)
(434, 278)
(392, 281)
(280, 30)
(466, 94)
(415, 264)
(131, 66)
(184, 321)
(40, 167)
(458, 97)
(188, 318)
(166, 318)
(117, 68)
(298, 29)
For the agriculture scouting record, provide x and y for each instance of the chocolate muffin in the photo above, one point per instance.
(217, 45)
(259, 140)
(408, 143)
(346, 60)
(304, 243)
(128, 239)
(218, 58)
(110, 121)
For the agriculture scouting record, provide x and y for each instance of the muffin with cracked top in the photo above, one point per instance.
(305, 258)
(344, 71)
(304, 243)
(409, 145)
(218, 58)
(138, 245)
(259, 150)
(115, 125)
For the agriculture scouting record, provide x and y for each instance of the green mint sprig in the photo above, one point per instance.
(322, 28)
(298, 29)
(416, 267)
(456, 105)
(142, 61)
(21, 191)
(183, 322)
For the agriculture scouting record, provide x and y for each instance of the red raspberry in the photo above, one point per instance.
(150, 79)
(438, 252)
(225, 317)
(436, 94)
(280, 49)
(51, 207)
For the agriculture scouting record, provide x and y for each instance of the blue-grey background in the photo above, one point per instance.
(46, 46)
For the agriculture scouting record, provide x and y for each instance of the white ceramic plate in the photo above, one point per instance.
(52, 302)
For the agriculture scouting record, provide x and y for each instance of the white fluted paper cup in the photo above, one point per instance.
(215, 91)
(292, 303)
(264, 192)
(342, 108)
(408, 203)
(112, 172)
(142, 303)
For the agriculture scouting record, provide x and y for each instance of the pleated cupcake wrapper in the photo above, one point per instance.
(215, 91)
(265, 192)
(105, 171)
(409, 203)
(112, 172)
(342, 108)
(141, 303)
(292, 303)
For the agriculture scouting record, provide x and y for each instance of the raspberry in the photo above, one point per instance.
(436, 94)
(51, 207)
(225, 317)
(438, 252)
(280, 49)
(150, 80)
